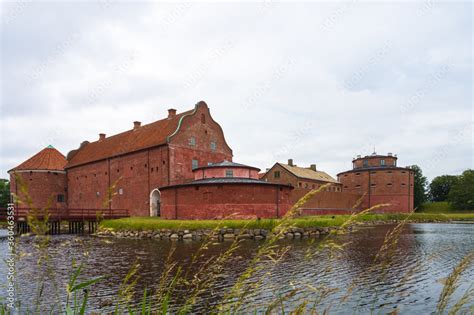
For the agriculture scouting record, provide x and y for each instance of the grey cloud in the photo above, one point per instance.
(318, 82)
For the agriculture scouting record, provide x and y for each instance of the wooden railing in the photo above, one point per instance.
(59, 214)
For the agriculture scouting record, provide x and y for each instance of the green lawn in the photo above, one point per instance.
(147, 223)
(439, 207)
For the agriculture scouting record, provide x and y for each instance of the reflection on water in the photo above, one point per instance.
(425, 254)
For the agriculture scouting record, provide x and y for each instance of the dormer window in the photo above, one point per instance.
(382, 162)
(366, 163)
(213, 146)
(229, 173)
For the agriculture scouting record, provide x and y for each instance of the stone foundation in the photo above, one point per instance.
(221, 234)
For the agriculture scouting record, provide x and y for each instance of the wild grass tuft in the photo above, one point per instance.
(181, 288)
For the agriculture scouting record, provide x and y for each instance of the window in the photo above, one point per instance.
(382, 162)
(192, 141)
(305, 185)
(120, 191)
(195, 164)
(366, 163)
(300, 184)
(61, 198)
(276, 174)
(357, 174)
(229, 173)
(213, 146)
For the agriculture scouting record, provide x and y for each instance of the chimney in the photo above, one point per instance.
(136, 124)
(313, 167)
(101, 136)
(171, 112)
(290, 162)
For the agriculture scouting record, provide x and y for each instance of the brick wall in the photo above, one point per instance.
(222, 201)
(393, 186)
(326, 199)
(129, 179)
(42, 187)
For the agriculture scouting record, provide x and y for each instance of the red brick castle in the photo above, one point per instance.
(181, 167)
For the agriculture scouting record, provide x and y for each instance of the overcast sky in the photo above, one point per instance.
(316, 82)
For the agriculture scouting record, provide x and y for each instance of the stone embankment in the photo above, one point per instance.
(220, 234)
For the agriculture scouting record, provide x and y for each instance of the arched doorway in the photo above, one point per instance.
(155, 200)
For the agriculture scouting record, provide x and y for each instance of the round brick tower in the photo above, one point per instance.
(225, 190)
(40, 182)
(379, 180)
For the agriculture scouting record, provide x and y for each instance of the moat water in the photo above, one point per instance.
(425, 255)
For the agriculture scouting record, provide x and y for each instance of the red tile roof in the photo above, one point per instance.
(146, 136)
(47, 159)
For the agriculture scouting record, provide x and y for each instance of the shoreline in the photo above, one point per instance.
(302, 227)
(299, 227)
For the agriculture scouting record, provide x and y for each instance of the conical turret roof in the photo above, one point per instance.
(48, 159)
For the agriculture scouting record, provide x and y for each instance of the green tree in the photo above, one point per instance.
(461, 195)
(420, 185)
(440, 187)
(4, 193)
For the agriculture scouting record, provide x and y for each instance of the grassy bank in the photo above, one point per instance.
(146, 223)
(440, 207)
